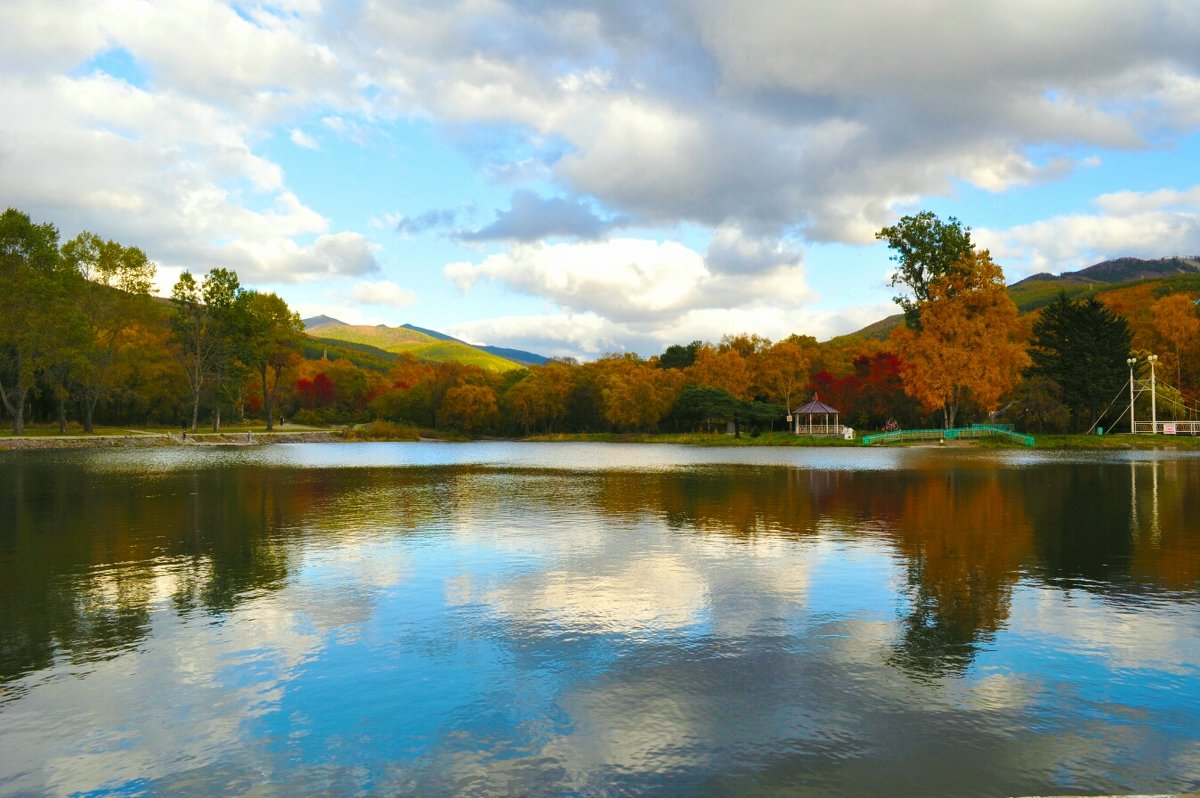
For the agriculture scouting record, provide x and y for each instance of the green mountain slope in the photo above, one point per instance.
(361, 355)
(401, 340)
(1032, 293)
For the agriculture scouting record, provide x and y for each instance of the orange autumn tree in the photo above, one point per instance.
(725, 368)
(782, 371)
(1177, 325)
(970, 344)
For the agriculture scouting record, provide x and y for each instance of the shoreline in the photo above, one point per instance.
(141, 439)
(134, 439)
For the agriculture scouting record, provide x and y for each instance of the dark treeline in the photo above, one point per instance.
(82, 340)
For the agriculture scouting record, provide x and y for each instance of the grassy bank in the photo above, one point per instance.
(49, 437)
(697, 439)
(1148, 442)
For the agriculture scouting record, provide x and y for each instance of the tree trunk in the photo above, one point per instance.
(14, 403)
(195, 410)
(217, 418)
(89, 409)
(62, 415)
(268, 398)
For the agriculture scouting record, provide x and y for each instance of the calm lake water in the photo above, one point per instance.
(528, 619)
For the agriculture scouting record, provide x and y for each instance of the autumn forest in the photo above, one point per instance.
(82, 341)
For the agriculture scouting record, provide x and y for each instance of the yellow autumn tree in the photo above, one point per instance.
(970, 343)
(470, 408)
(781, 372)
(726, 369)
(1177, 324)
(636, 393)
(540, 398)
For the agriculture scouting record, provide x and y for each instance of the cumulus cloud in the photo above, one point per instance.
(383, 292)
(778, 115)
(1124, 224)
(589, 335)
(172, 163)
(532, 218)
(631, 280)
(766, 125)
(619, 278)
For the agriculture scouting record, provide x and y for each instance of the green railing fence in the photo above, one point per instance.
(973, 431)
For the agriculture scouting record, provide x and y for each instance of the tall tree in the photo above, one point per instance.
(203, 331)
(271, 343)
(782, 371)
(1177, 322)
(676, 356)
(925, 249)
(222, 292)
(33, 300)
(970, 341)
(1082, 346)
(193, 335)
(726, 369)
(636, 395)
(112, 299)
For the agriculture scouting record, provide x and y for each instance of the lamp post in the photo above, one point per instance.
(1153, 397)
(1132, 426)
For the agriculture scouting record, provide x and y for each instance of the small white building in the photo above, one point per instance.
(816, 418)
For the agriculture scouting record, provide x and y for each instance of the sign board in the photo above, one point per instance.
(1168, 429)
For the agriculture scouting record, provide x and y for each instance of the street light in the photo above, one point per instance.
(1153, 396)
(1132, 426)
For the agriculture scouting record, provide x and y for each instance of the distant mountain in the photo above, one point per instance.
(441, 336)
(519, 355)
(1040, 290)
(1122, 270)
(320, 321)
(427, 345)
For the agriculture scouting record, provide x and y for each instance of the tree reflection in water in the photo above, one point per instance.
(85, 554)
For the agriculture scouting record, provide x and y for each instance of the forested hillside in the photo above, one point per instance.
(82, 343)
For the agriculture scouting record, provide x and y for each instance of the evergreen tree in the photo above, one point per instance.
(1082, 346)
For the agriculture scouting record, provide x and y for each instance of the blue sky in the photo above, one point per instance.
(584, 177)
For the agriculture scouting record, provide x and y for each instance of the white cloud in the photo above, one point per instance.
(764, 124)
(777, 114)
(1126, 224)
(171, 165)
(382, 292)
(642, 296)
(621, 278)
(588, 335)
(303, 140)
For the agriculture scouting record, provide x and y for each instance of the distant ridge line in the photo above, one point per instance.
(1122, 270)
(518, 356)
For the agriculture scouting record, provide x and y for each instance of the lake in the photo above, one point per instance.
(591, 619)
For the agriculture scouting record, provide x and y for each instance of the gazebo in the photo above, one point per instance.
(813, 419)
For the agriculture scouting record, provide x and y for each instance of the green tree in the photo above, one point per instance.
(228, 312)
(679, 357)
(925, 249)
(113, 297)
(203, 330)
(272, 341)
(33, 301)
(1082, 346)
